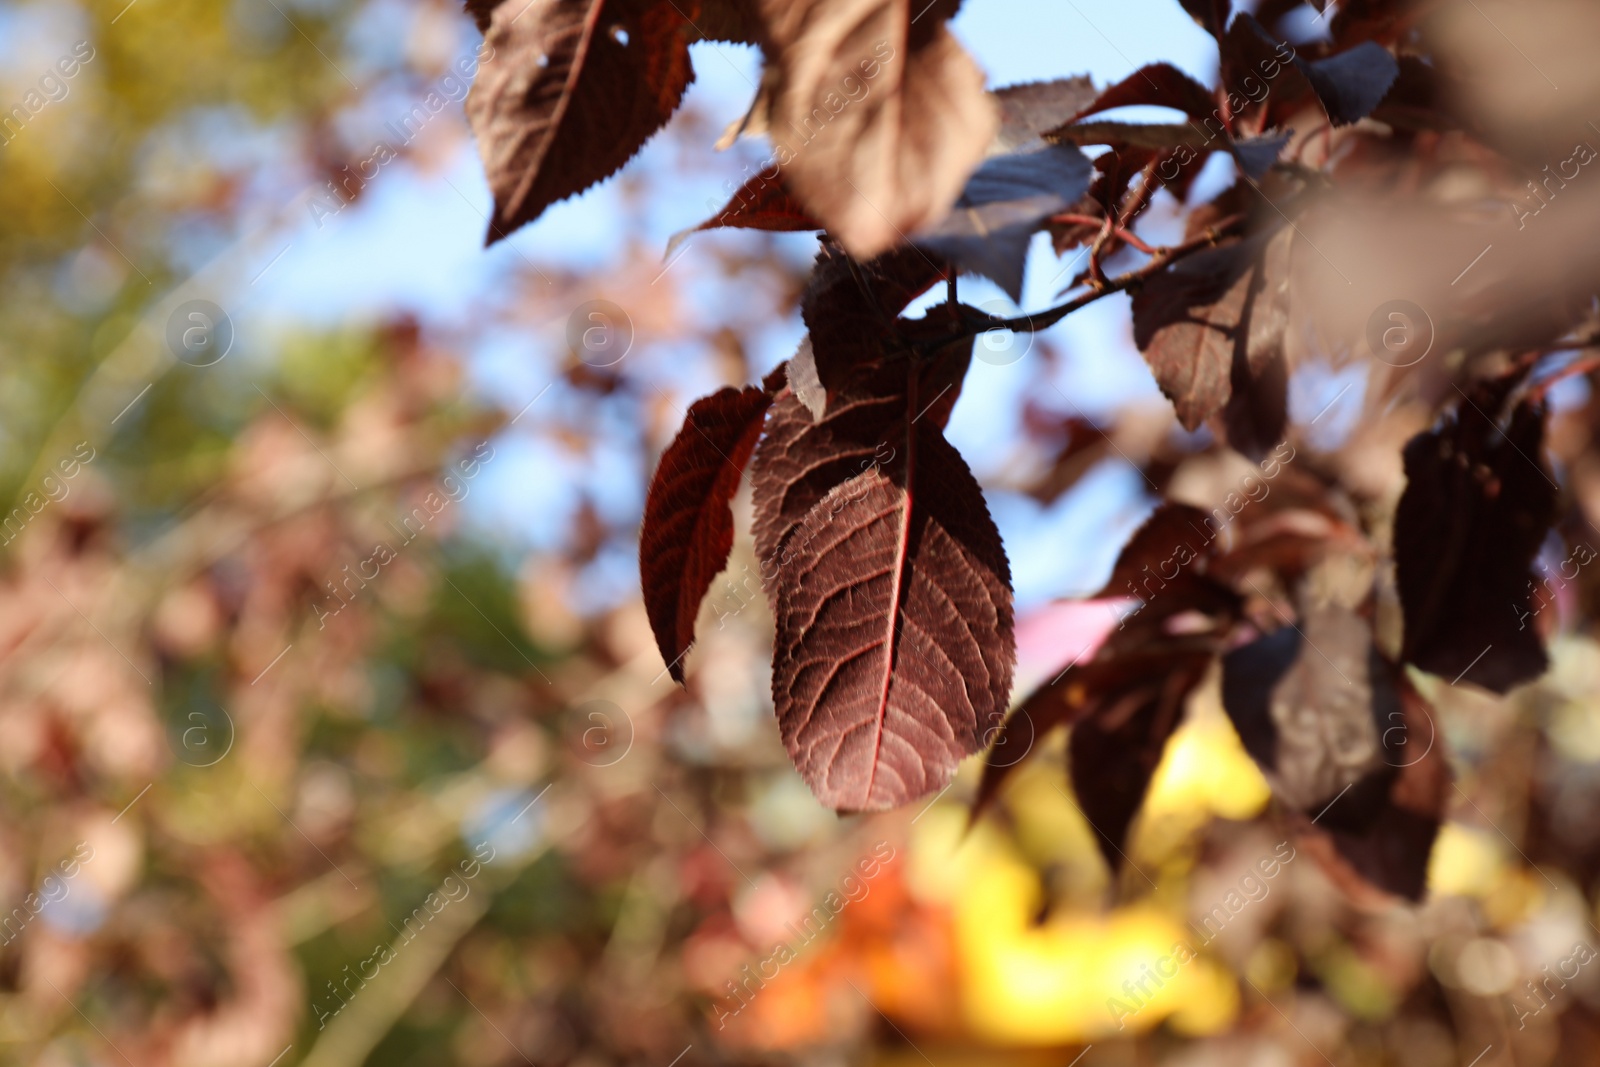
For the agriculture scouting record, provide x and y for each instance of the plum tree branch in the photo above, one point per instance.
(1122, 233)
(976, 322)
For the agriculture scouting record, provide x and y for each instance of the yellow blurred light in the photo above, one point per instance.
(1212, 1005)
(1465, 862)
(1204, 773)
(1514, 898)
(1076, 976)
(1575, 675)
(1206, 770)
(1048, 825)
(1044, 984)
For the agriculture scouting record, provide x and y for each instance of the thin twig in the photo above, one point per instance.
(1143, 195)
(977, 322)
(1123, 234)
(1097, 274)
(1576, 367)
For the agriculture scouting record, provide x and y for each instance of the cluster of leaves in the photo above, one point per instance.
(889, 584)
(888, 578)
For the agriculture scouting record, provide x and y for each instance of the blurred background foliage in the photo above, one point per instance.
(272, 766)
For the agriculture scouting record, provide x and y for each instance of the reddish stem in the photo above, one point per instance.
(1123, 234)
(978, 323)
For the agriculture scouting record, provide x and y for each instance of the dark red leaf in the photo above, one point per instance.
(1159, 85)
(1257, 411)
(1185, 320)
(570, 91)
(1113, 754)
(688, 518)
(850, 308)
(1115, 172)
(1163, 565)
(723, 20)
(1175, 538)
(1125, 674)
(1478, 505)
(801, 459)
(940, 377)
(1166, 565)
(894, 643)
(1176, 171)
(1209, 313)
(777, 378)
(760, 204)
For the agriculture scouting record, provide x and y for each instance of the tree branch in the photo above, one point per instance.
(977, 322)
(1121, 232)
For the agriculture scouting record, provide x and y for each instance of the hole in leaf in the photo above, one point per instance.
(619, 35)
